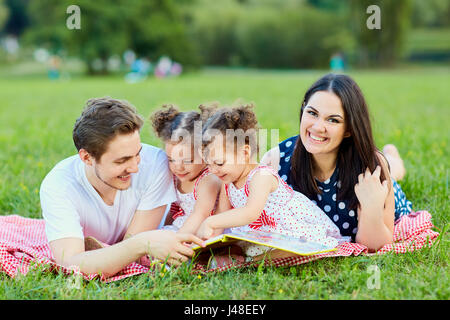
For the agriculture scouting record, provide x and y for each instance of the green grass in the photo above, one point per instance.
(409, 108)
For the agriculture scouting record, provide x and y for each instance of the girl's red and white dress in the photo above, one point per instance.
(286, 212)
(186, 202)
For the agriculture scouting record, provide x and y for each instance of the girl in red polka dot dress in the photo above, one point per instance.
(254, 197)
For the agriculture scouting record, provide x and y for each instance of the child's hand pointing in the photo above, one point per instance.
(205, 231)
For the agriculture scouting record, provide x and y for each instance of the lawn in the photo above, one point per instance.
(409, 108)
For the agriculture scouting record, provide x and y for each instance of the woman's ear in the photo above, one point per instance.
(347, 134)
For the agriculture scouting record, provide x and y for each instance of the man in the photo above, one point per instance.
(115, 189)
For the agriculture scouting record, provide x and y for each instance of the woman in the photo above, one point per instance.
(335, 163)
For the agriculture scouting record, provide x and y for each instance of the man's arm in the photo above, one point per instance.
(145, 220)
(110, 260)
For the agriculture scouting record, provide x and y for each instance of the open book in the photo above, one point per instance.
(278, 241)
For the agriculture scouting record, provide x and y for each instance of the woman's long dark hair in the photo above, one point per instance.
(356, 152)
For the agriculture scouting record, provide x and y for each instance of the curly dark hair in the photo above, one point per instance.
(234, 123)
(169, 123)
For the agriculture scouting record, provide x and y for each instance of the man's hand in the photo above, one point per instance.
(166, 244)
(111, 259)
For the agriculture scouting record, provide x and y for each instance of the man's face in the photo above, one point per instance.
(120, 160)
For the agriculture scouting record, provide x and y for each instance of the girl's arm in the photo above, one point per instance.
(207, 192)
(224, 203)
(261, 185)
(222, 206)
(377, 209)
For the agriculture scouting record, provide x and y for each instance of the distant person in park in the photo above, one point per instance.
(54, 67)
(334, 161)
(114, 190)
(337, 62)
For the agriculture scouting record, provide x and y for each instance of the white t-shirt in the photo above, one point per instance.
(71, 207)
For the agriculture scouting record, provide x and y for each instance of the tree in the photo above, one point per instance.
(380, 46)
(156, 28)
(108, 27)
(4, 12)
(18, 19)
(431, 13)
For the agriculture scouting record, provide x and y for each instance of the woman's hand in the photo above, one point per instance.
(370, 192)
(205, 231)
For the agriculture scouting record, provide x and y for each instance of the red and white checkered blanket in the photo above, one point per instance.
(23, 245)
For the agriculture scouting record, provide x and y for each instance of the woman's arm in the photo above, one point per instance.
(260, 187)
(207, 192)
(271, 158)
(377, 209)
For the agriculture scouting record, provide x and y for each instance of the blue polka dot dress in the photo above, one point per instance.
(337, 211)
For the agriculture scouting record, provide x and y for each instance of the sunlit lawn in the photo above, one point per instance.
(409, 108)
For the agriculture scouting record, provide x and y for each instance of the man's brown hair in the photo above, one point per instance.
(101, 120)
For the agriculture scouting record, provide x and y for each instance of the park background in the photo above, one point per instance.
(268, 52)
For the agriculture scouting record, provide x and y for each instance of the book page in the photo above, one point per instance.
(215, 242)
(274, 240)
(283, 242)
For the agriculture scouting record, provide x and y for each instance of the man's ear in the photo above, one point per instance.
(85, 157)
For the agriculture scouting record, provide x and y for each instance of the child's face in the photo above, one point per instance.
(227, 165)
(323, 126)
(184, 163)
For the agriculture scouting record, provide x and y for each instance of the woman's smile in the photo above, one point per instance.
(316, 138)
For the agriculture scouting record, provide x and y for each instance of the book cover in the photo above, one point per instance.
(297, 246)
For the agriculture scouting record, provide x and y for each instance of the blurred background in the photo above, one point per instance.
(189, 52)
(269, 52)
(159, 38)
